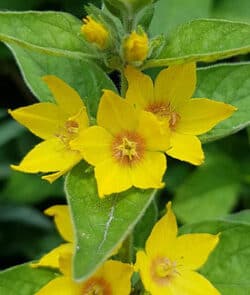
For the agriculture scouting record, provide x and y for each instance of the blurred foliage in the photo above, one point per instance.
(217, 188)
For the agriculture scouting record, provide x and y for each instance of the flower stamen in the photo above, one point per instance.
(163, 270)
(160, 109)
(68, 132)
(128, 147)
(163, 110)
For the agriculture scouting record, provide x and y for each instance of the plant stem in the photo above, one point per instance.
(123, 85)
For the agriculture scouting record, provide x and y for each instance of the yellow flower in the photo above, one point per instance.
(136, 47)
(169, 99)
(169, 262)
(125, 148)
(112, 278)
(95, 32)
(64, 225)
(57, 124)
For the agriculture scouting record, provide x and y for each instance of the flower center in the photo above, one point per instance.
(69, 131)
(160, 109)
(128, 147)
(163, 111)
(72, 127)
(163, 270)
(96, 286)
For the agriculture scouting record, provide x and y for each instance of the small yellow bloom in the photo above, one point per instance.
(64, 225)
(112, 278)
(57, 124)
(136, 47)
(125, 148)
(95, 32)
(170, 100)
(169, 262)
(63, 222)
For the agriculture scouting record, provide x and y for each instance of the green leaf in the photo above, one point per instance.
(204, 40)
(9, 130)
(240, 217)
(86, 77)
(145, 225)
(52, 33)
(25, 232)
(229, 83)
(231, 9)
(24, 215)
(29, 189)
(210, 191)
(19, 5)
(171, 13)
(100, 224)
(23, 280)
(228, 266)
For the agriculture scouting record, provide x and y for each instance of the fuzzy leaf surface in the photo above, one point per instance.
(100, 224)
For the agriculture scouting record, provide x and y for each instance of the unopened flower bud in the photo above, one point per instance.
(95, 32)
(136, 47)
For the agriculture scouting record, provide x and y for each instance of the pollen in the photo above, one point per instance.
(96, 286)
(163, 270)
(128, 148)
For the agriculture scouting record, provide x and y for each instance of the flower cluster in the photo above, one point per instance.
(132, 48)
(166, 267)
(132, 135)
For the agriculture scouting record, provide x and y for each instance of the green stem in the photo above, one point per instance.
(124, 84)
(128, 249)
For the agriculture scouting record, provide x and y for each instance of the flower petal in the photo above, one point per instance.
(115, 114)
(148, 172)
(156, 133)
(62, 285)
(192, 283)
(48, 156)
(176, 84)
(186, 148)
(66, 97)
(192, 250)
(65, 263)
(54, 176)
(140, 88)
(112, 177)
(43, 119)
(81, 118)
(163, 236)
(199, 115)
(62, 220)
(94, 143)
(52, 258)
